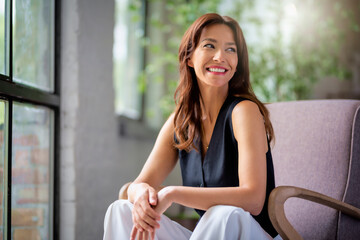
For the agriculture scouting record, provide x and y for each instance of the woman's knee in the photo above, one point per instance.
(218, 220)
(118, 220)
(122, 207)
(224, 213)
(225, 210)
(124, 204)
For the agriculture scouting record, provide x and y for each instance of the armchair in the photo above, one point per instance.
(317, 150)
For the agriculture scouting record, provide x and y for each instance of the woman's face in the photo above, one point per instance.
(215, 58)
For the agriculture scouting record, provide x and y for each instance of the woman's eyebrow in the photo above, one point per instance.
(214, 41)
(209, 39)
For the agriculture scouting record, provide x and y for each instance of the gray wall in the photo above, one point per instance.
(95, 161)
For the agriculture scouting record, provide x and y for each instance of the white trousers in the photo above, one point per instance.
(218, 223)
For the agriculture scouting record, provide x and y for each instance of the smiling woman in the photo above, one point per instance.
(220, 134)
(215, 58)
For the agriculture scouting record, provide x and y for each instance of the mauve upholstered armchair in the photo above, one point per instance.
(316, 157)
(317, 148)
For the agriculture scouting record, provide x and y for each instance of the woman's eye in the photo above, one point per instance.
(209, 45)
(231, 50)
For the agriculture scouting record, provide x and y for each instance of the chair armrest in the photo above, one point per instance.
(123, 191)
(280, 194)
(124, 188)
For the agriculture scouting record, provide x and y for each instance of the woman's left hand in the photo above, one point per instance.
(165, 199)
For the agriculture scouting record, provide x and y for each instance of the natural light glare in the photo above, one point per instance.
(289, 20)
(290, 10)
(120, 33)
(2, 7)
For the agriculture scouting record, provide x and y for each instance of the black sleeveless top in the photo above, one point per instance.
(220, 165)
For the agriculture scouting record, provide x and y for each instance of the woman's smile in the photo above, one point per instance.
(218, 70)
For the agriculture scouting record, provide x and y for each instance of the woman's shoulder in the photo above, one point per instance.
(245, 112)
(246, 108)
(241, 111)
(247, 119)
(240, 105)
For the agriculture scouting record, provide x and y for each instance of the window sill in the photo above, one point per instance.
(135, 129)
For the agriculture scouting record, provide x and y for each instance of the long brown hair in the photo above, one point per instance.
(187, 118)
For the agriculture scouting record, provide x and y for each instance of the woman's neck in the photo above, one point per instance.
(212, 100)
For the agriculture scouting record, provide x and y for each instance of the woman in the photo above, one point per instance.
(220, 132)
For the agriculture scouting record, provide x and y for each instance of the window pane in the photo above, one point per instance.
(127, 58)
(2, 161)
(31, 172)
(2, 37)
(33, 43)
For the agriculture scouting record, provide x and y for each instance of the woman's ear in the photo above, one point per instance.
(190, 63)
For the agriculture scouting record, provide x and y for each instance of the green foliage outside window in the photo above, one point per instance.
(282, 68)
(32, 43)
(283, 71)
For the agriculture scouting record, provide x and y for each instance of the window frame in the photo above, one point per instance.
(10, 92)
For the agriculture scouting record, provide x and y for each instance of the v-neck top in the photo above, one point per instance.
(219, 168)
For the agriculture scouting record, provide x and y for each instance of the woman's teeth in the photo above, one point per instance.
(216, 70)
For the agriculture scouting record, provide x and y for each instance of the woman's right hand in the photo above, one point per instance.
(144, 217)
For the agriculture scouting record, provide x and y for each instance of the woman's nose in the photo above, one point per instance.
(219, 56)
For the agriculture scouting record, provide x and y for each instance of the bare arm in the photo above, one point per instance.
(143, 191)
(249, 131)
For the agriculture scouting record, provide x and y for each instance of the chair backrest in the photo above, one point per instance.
(317, 146)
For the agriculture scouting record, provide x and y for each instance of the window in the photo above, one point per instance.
(29, 108)
(129, 57)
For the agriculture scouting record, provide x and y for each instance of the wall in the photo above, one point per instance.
(95, 161)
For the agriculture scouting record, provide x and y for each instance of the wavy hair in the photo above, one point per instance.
(187, 119)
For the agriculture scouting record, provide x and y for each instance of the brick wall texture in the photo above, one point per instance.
(30, 189)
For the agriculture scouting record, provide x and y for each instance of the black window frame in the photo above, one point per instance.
(11, 91)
